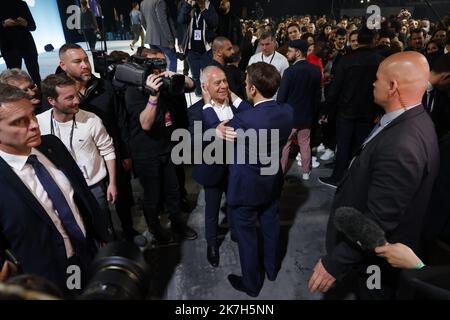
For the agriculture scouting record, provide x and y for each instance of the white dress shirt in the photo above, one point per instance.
(224, 112)
(26, 173)
(92, 145)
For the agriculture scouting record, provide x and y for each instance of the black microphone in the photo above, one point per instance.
(358, 228)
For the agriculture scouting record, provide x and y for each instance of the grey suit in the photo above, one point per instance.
(390, 181)
(157, 23)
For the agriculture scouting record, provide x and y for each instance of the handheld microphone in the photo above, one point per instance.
(358, 228)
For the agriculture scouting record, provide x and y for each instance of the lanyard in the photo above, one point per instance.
(52, 130)
(270, 62)
(197, 19)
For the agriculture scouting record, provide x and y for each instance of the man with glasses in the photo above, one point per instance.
(20, 79)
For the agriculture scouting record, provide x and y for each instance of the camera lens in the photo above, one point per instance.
(119, 271)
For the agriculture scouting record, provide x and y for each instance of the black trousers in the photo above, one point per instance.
(351, 133)
(13, 59)
(154, 172)
(90, 37)
(124, 200)
(213, 197)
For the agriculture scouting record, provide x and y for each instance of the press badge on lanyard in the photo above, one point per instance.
(198, 35)
(168, 119)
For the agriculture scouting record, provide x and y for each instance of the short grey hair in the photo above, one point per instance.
(10, 93)
(14, 75)
(204, 74)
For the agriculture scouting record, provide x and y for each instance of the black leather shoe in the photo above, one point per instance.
(236, 283)
(183, 230)
(213, 255)
(185, 205)
(161, 235)
(271, 277)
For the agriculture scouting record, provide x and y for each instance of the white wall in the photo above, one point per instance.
(48, 24)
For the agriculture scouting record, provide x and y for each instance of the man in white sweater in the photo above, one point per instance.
(84, 136)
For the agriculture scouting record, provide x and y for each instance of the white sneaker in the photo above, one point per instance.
(327, 155)
(320, 148)
(305, 176)
(314, 162)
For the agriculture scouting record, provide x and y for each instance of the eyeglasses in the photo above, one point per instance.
(31, 87)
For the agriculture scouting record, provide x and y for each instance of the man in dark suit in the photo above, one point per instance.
(16, 40)
(300, 88)
(48, 217)
(254, 186)
(213, 177)
(436, 99)
(350, 101)
(389, 181)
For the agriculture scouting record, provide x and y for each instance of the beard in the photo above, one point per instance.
(228, 59)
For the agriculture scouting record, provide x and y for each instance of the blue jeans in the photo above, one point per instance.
(198, 62)
(171, 57)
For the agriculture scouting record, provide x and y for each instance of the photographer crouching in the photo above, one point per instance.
(154, 109)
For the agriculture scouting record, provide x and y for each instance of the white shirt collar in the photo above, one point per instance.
(15, 161)
(220, 106)
(430, 87)
(262, 101)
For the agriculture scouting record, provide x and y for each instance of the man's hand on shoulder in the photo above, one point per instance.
(224, 132)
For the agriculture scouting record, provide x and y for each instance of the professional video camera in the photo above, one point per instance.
(105, 64)
(136, 71)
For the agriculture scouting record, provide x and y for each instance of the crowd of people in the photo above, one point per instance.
(376, 102)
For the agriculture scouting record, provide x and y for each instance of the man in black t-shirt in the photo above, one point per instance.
(151, 123)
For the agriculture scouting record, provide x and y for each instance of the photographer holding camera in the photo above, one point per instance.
(153, 117)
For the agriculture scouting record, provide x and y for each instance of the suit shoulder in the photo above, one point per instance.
(51, 141)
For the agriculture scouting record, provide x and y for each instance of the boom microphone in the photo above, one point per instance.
(358, 228)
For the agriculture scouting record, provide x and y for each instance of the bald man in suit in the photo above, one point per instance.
(389, 180)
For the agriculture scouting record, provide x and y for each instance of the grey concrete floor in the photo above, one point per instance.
(180, 271)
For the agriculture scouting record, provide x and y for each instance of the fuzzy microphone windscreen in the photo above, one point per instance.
(359, 228)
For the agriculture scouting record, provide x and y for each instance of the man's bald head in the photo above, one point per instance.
(401, 81)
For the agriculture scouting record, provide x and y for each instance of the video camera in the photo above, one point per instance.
(136, 72)
(104, 64)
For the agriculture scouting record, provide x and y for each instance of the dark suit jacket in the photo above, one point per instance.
(26, 228)
(300, 88)
(246, 185)
(390, 182)
(437, 224)
(207, 174)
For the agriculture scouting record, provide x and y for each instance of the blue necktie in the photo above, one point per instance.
(59, 203)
